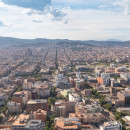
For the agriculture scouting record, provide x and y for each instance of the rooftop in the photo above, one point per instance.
(33, 123)
(37, 101)
(21, 120)
(111, 123)
(67, 124)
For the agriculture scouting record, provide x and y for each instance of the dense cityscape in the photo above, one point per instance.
(65, 86)
(64, 64)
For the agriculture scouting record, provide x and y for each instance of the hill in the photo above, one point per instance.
(8, 41)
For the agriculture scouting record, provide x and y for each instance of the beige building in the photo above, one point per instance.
(27, 85)
(87, 118)
(124, 97)
(66, 124)
(43, 90)
(40, 115)
(94, 108)
(20, 122)
(124, 109)
(70, 106)
(24, 122)
(21, 97)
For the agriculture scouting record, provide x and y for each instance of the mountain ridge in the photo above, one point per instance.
(7, 41)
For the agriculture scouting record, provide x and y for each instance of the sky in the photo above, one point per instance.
(65, 19)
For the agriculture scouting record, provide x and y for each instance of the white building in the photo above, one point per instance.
(125, 76)
(112, 125)
(27, 85)
(74, 97)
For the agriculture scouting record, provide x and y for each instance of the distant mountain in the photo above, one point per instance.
(7, 41)
(113, 40)
(110, 43)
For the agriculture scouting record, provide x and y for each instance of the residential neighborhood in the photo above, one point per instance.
(62, 88)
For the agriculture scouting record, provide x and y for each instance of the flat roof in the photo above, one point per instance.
(62, 125)
(111, 123)
(37, 101)
(33, 123)
(21, 120)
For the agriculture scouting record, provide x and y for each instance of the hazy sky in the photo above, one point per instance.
(69, 19)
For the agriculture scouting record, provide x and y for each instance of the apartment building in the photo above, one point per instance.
(74, 97)
(69, 105)
(61, 111)
(67, 124)
(43, 90)
(21, 97)
(111, 125)
(40, 115)
(27, 85)
(94, 108)
(14, 107)
(24, 122)
(124, 96)
(87, 118)
(34, 105)
(20, 122)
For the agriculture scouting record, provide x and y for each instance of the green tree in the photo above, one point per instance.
(67, 97)
(102, 101)
(51, 100)
(19, 89)
(4, 109)
(94, 91)
(122, 121)
(119, 115)
(52, 128)
(108, 106)
(1, 118)
(47, 127)
(54, 116)
(86, 86)
(50, 122)
(116, 77)
(128, 114)
(96, 94)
